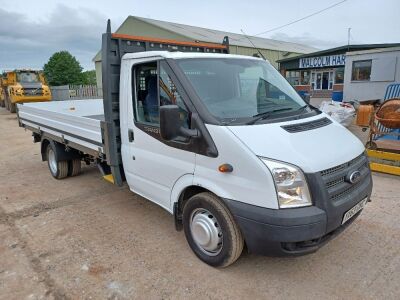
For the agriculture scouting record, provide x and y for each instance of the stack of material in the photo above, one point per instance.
(339, 111)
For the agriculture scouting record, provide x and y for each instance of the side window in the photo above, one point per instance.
(153, 91)
(169, 95)
(146, 105)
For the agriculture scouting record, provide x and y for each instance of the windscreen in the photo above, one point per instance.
(27, 77)
(234, 88)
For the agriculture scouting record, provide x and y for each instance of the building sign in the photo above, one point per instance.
(322, 61)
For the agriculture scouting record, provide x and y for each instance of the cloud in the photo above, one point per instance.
(307, 39)
(29, 44)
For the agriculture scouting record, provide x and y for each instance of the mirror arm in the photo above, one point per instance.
(194, 133)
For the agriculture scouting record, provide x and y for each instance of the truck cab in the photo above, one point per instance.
(222, 142)
(231, 126)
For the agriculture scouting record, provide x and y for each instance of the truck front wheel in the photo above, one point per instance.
(6, 103)
(211, 231)
(13, 108)
(58, 169)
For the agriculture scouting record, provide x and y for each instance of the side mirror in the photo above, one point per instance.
(171, 124)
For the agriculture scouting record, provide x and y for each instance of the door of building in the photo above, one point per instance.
(322, 80)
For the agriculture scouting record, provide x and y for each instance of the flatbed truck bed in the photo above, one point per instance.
(74, 121)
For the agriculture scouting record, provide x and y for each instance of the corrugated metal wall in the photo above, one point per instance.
(271, 55)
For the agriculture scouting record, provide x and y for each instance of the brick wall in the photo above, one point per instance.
(305, 88)
(321, 94)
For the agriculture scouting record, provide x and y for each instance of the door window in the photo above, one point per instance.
(145, 82)
(330, 80)
(325, 80)
(313, 80)
(318, 83)
(152, 91)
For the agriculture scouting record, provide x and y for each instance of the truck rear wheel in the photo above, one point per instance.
(74, 167)
(58, 169)
(211, 231)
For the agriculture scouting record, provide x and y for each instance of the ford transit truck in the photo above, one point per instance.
(222, 142)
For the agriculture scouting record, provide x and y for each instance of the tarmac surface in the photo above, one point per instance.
(83, 238)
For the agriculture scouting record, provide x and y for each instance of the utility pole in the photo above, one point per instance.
(348, 38)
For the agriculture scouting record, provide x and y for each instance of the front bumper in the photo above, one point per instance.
(27, 99)
(299, 231)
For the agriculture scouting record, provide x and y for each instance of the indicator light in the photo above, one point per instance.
(225, 168)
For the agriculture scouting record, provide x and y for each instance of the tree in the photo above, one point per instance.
(89, 77)
(63, 68)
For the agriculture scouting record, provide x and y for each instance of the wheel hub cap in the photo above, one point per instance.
(206, 232)
(52, 161)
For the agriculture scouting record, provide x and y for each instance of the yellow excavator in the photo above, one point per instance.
(2, 104)
(21, 86)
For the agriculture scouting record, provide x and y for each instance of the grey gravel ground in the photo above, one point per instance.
(82, 238)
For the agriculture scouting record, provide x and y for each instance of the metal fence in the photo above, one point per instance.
(74, 92)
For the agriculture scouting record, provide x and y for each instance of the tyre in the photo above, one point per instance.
(2, 103)
(74, 167)
(58, 169)
(211, 231)
(371, 145)
(6, 103)
(13, 108)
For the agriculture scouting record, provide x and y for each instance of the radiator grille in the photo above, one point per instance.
(33, 91)
(335, 178)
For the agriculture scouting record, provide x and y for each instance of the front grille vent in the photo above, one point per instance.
(335, 178)
(307, 125)
(33, 91)
(335, 182)
(345, 192)
(342, 166)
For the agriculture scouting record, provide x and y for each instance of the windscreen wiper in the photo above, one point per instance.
(304, 106)
(266, 114)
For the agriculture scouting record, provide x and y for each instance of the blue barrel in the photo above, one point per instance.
(337, 96)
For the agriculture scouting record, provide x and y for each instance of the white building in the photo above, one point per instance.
(368, 73)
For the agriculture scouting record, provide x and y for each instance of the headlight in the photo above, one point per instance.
(16, 91)
(291, 185)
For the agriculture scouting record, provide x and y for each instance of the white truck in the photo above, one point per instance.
(222, 142)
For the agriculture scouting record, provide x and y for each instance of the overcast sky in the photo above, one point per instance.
(30, 31)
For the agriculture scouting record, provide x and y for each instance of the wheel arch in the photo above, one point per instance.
(186, 187)
(60, 150)
(43, 148)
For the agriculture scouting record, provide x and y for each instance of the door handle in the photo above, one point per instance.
(131, 136)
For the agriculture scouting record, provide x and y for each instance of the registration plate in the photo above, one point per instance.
(355, 209)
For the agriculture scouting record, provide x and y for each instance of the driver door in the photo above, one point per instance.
(153, 166)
